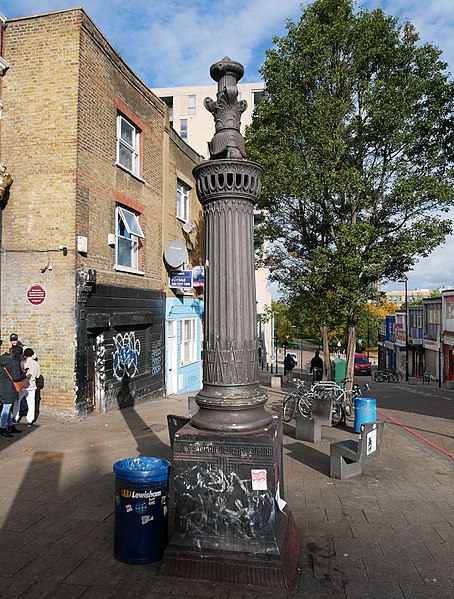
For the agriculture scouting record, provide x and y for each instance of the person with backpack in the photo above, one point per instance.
(289, 365)
(9, 371)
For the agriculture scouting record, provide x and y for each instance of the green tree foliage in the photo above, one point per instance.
(355, 133)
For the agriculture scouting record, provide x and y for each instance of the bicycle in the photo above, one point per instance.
(350, 395)
(390, 376)
(300, 400)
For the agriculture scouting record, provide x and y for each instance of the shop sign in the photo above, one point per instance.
(36, 294)
(448, 339)
(181, 279)
(389, 344)
(400, 336)
(433, 345)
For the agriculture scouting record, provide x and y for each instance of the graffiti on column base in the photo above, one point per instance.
(231, 365)
(125, 357)
(222, 503)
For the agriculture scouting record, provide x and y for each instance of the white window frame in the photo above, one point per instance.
(128, 232)
(188, 341)
(184, 129)
(191, 105)
(183, 200)
(129, 146)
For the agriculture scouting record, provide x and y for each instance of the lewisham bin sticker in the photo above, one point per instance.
(258, 480)
(371, 442)
(36, 294)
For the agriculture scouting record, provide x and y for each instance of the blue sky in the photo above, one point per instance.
(173, 42)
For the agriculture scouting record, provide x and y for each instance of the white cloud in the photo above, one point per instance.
(174, 42)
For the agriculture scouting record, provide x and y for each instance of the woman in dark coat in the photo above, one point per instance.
(8, 393)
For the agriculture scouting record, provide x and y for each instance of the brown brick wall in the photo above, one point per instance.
(182, 159)
(39, 145)
(61, 97)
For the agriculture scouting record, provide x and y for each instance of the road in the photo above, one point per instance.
(426, 410)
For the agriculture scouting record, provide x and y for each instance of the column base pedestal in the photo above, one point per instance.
(231, 524)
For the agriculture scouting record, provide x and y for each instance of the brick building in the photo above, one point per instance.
(92, 207)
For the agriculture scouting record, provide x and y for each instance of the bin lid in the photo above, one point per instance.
(142, 469)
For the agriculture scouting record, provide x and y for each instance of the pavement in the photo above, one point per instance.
(387, 534)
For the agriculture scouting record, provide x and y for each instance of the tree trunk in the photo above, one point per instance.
(350, 354)
(326, 354)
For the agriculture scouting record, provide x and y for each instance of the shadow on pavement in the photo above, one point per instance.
(61, 528)
(309, 456)
(140, 430)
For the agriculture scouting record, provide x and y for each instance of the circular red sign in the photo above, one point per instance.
(36, 294)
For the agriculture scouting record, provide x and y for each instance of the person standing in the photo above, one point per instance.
(16, 345)
(289, 365)
(9, 371)
(31, 368)
(317, 367)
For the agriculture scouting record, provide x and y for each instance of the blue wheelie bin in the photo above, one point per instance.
(141, 509)
(365, 411)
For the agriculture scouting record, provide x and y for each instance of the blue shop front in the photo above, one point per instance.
(184, 336)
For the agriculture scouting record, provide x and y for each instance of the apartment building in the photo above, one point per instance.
(190, 118)
(102, 188)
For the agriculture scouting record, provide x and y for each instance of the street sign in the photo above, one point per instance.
(36, 295)
(198, 275)
(181, 279)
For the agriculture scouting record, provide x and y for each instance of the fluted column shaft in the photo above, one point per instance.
(231, 398)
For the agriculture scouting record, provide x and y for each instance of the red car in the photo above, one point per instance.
(362, 364)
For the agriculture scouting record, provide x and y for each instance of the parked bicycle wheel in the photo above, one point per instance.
(337, 415)
(394, 377)
(305, 406)
(289, 408)
(378, 376)
(348, 409)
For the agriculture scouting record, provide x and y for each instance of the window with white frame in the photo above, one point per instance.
(184, 128)
(182, 202)
(257, 95)
(128, 236)
(188, 345)
(128, 145)
(191, 105)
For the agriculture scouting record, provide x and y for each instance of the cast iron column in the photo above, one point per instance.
(228, 186)
(231, 520)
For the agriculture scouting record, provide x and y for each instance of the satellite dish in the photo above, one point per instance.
(188, 227)
(176, 253)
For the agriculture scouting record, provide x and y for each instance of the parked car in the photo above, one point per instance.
(362, 364)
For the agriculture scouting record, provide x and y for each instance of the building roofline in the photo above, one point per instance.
(45, 14)
(103, 41)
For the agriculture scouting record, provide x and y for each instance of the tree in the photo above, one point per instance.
(355, 133)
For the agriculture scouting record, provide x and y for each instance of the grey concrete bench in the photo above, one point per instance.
(346, 457)
(310, 429)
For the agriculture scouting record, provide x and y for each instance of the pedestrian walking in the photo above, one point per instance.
(9, 371)
(317, 367)
(289, 365)
(32, 370)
